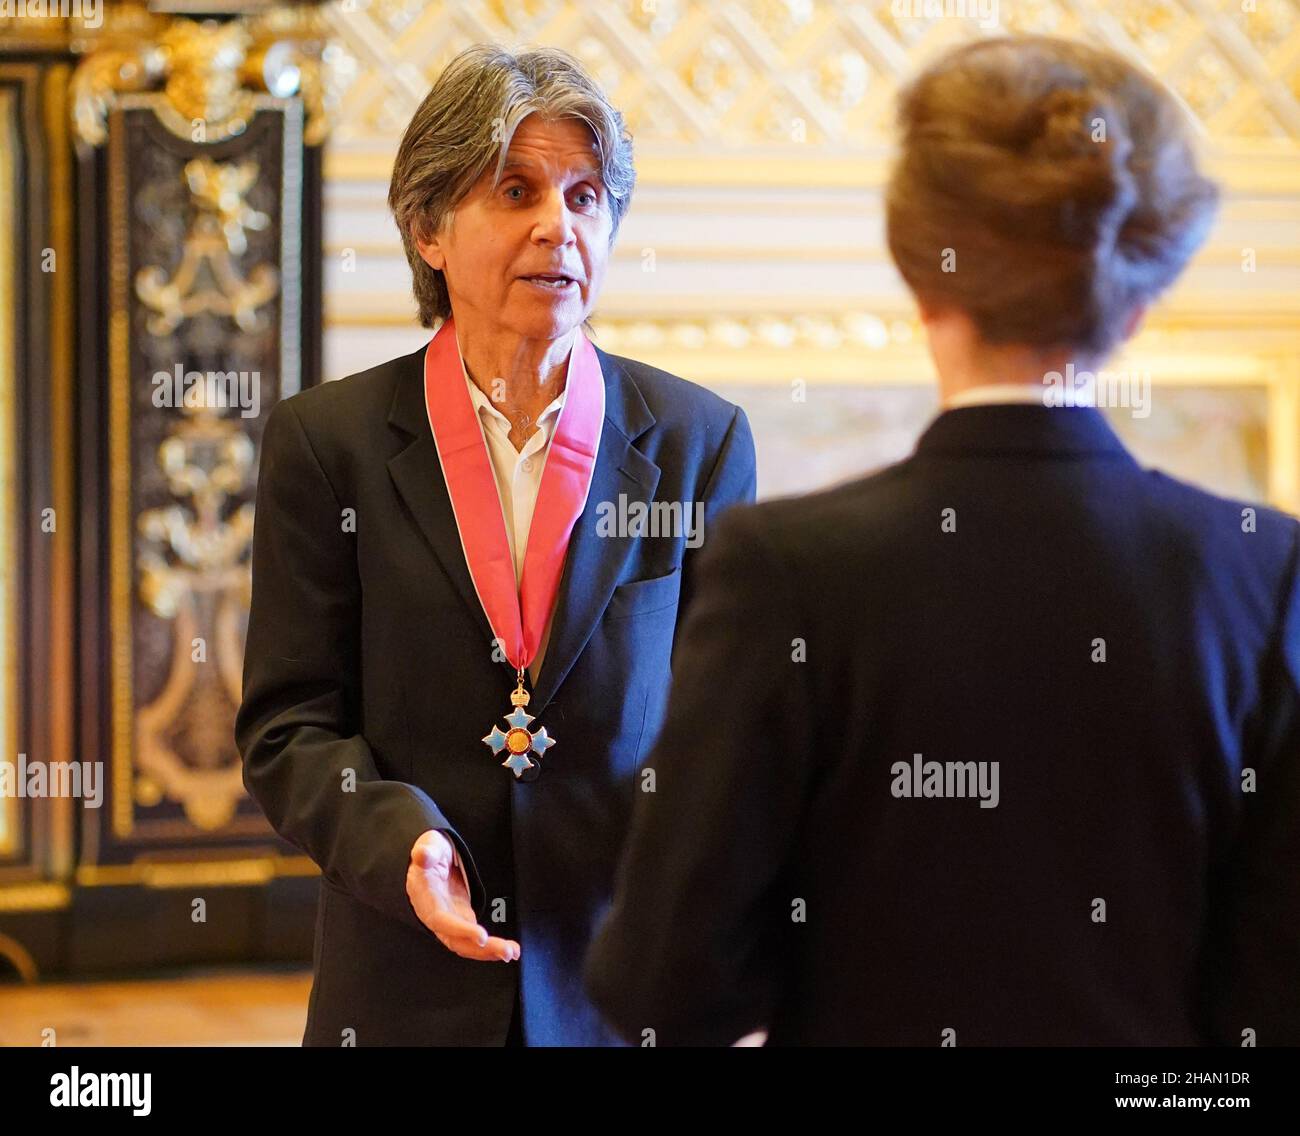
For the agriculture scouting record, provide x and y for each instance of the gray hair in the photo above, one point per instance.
(468, 119)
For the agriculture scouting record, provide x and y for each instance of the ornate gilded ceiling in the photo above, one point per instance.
(774, 73)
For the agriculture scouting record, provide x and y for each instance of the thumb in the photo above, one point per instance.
(432, 853)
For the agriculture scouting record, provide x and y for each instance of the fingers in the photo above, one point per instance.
(469, 939)
(439, 896)
(489, 949)
(453, 926)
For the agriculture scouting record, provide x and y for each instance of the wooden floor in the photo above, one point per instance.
(219, 1007)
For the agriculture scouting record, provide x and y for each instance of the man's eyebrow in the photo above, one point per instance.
(523, 164)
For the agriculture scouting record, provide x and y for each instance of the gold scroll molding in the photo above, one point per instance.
(216, 240)
(209, 73)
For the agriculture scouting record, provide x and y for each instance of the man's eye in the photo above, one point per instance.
(586, 198)
(513, 190)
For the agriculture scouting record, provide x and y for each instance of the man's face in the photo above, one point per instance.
(528, 255)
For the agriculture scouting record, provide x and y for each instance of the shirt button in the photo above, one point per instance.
(527, 465)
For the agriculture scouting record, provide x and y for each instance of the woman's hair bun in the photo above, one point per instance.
(1061, 179)
(1071, 123)
(1083, 139)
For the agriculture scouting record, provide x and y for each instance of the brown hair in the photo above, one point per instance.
(464, 127)
(1044, 188)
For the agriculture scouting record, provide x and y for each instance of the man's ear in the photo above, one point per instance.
(431, 253)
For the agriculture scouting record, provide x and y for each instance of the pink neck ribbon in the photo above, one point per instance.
(517, 616)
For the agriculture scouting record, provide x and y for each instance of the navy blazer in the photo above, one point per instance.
(369, 656)
(1020, 591)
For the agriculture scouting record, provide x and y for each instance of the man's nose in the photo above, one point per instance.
(554, 222)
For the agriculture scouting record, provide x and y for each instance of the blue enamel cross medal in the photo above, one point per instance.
(519, 741)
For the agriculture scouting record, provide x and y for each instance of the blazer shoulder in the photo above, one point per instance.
(673, 399)
(846, 503)
(827, 523)
(1212, 522)
(356, 401)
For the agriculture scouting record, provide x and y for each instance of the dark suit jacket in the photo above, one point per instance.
(369, 656)
(1119, 780)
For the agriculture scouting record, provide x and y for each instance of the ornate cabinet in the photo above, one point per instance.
(159, 292)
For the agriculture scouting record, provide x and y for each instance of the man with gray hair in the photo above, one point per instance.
(455, 666)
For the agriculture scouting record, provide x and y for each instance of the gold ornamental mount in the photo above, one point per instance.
(207, 73)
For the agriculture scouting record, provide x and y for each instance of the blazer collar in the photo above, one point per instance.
(593, 563)
(1025, 430)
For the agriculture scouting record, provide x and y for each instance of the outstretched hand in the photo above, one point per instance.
(437, 892)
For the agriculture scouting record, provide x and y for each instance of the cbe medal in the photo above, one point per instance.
(519, 740)
(517, 609)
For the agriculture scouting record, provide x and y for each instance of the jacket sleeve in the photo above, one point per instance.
(305, 761)
(694, 943)
(1255, 950)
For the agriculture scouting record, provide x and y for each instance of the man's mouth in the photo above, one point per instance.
(555, 281)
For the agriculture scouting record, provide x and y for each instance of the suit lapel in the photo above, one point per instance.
(593, 563)
(418, 477)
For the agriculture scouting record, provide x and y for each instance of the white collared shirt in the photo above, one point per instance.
(991, 394)
(518, 477)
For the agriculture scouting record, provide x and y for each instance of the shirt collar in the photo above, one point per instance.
(1025, 430)
(483, 404)
(994, 394)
